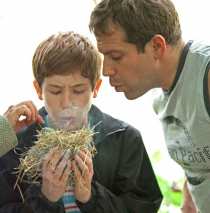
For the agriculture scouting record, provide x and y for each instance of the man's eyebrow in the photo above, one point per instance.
(108, 52)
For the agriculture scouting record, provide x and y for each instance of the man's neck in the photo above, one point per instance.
(170, 64)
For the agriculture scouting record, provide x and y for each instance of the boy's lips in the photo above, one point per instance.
(66, 119)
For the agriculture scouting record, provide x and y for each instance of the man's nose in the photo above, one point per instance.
(108, 69)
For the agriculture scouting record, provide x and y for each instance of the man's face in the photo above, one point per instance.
(129, 70)
(67, 99)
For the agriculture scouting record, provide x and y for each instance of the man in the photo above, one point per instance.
(11, 123)
(120, 178)
(143, 49)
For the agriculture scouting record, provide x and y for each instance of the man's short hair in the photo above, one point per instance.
(139, 19)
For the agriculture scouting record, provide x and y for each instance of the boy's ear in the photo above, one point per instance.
(97, 87)
(38, 89)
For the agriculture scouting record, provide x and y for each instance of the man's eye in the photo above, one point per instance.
(116, 58)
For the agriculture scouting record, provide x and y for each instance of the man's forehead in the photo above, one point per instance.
(111, 29)
(112, 40)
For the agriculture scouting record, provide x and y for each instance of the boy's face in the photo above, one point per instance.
(67, 99)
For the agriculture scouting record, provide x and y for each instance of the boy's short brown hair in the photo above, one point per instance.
(62, 53)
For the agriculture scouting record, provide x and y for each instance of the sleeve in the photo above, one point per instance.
(135, 188)
(25, 198)
(8, 139)
(11, 200)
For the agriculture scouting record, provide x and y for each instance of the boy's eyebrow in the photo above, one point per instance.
(55, 86)
(79, 85)
(59, 87)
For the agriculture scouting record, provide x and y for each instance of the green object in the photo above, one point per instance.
(8, 139)
(170, 197)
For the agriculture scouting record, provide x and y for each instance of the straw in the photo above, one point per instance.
(31, 161)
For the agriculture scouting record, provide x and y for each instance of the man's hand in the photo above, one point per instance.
(83, 171)
(188, 204)
(22, 115)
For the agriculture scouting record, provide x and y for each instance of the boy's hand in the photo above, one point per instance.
(83, 171)
(55, 172)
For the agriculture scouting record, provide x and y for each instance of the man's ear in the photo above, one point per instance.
(97, 87)
(158, 45)
(38, 89)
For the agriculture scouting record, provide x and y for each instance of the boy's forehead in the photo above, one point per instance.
(71, 79)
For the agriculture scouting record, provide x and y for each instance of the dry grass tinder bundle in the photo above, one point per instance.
(31, 161)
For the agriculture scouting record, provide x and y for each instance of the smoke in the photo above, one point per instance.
(71, 118)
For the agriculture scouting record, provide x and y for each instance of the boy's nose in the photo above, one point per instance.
(66, 100)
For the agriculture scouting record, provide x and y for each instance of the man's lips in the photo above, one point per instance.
(114, 84)
(118, 88)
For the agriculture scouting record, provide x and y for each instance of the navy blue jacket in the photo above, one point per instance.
(123, 182)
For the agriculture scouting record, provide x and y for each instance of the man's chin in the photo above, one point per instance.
(130, 96)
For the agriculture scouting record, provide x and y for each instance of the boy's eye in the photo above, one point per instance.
(79, 91)
(55, 92)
